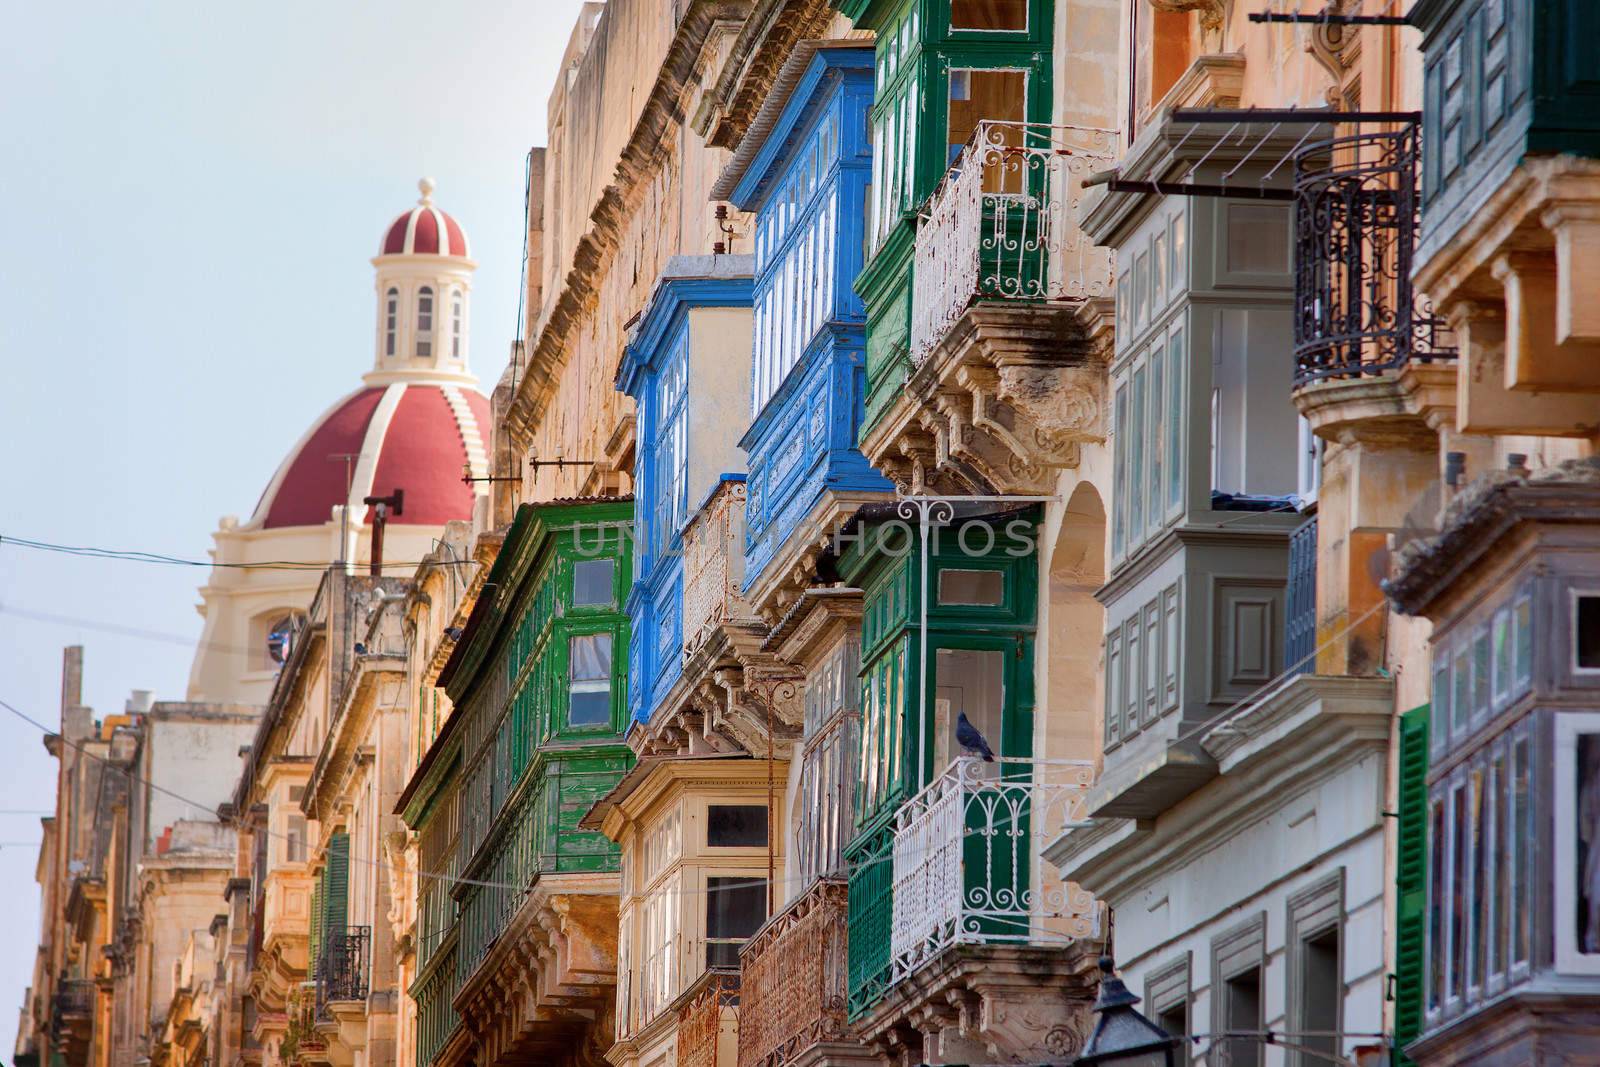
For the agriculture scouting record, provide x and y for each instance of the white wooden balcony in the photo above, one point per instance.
(1002, 226)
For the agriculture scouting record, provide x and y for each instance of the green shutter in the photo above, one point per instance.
(1411, 871)
(315, 933)
(337, 893)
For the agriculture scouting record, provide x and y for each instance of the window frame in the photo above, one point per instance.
(423, 346)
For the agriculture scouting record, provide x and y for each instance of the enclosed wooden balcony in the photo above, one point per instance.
(794, 977)
(1010, 307)
(708, 1021)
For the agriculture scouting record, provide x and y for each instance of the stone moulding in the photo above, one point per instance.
(647, 148)
(1003, 402)
(1483, 513)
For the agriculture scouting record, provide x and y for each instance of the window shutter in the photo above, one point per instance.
(336, 897)
(315, 934)
(1411, 870)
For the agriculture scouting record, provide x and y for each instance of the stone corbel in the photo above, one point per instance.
(1211, 11)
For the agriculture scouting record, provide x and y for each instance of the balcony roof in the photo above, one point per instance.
(802, 86)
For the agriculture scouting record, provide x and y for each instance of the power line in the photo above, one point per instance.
(138, 556)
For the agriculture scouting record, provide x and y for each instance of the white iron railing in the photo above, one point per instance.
(1003, 226)
(967, 867)
(713, 566)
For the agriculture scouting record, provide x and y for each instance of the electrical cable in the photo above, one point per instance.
(137, 556)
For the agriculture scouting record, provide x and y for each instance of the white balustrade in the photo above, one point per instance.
(1002, 226)
(967, 868)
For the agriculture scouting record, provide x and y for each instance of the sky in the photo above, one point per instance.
(193, 192)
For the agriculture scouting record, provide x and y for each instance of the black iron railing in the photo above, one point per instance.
(342, 966)
(1300, 622)
(1357, 210)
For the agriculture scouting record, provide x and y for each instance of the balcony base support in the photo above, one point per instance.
(545, 993)
(1001, 404)
(987, 1004)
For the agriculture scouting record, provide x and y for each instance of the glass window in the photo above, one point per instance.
(736, 826)
(1134, 486)
(1461, 699)
(735, 908)
(1436, 907)
(1119, 525)
(1243, 1012)
(969, 684)
(1258, 238)
(1160, 426)
(1522, 845)
(1497, 866)
(962, 587)
(424, 322)
(1523, 612)
(1586, 633)
(1441, 697)
(455, 324)
(1502, 655)
(391, 319)
(295, 845)
(589, 668)
(1480, 671)
(592, 581)
(1458, 891)
(982, 96)
(989, 14)
(1174, 421)
(1477, 863)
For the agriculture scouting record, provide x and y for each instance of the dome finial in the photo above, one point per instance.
(426, 185)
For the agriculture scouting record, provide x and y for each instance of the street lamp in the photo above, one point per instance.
(1122, 1037)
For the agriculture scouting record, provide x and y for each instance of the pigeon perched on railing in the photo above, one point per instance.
(971, 740)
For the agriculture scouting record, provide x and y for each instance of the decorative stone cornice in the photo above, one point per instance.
(1000, 405)
(1409, 406)
(649, 146)
(769, 35)
(1480, 516)
(546, 991)
(987, 1004)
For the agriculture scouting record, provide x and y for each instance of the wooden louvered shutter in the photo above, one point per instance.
(336, 905)
(1411, 876)
(315, 933)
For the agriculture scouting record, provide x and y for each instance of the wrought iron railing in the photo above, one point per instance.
(71, 1002)
(966, 860)
(1002, 226)
(704, 1018)
(342, 967)
(793, 974)
(1357, 209)
(1300, 623)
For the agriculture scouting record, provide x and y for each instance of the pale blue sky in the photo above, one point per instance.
(192, 192)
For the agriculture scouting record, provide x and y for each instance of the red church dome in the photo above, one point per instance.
(412, 436)
(425, 231)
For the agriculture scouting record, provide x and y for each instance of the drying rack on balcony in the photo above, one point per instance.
(1001, 226)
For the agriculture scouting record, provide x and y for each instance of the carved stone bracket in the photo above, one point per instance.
(1211, 11)
(1000, 405)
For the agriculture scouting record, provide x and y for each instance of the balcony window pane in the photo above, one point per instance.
(1160, 427)
(592, 583)
(1134, 486)
(979, 96)
(1436, 907)
(1480, 671)
(589, 666)
(1502, 655)
(1523, 613)
(972, 683)
(1588, 799)
(1174, 421)
(1477, 865)
(1119, 525)
(736, 826)
(1458, 890)
(1586, 633)
(977, 588)
(1522, 848)
(735, 908)
(988, 14)
(1497, 866)
(1461, 698)
(1258, 238)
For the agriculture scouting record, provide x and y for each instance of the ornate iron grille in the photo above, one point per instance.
(1356, 214)
(342, 967)
(793, 976)
(700, 1018)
